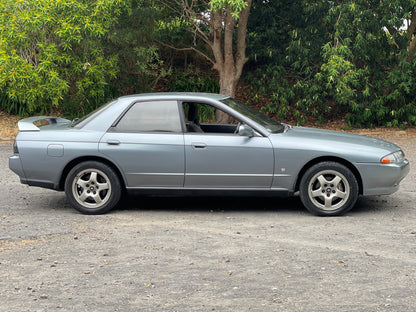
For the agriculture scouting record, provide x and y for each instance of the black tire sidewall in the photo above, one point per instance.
(115, 187)
(311, 172)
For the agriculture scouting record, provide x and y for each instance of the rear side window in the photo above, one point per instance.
(157, 116)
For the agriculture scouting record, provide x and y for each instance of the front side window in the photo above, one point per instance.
(157, 116)
(200, 117)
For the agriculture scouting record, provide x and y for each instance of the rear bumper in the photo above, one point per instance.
(15, 165)
(382, 179)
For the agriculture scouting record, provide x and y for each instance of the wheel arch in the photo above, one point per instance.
(340, 160)
(82, 159)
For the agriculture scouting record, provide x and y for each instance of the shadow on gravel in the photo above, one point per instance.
(375, 204)
(208, 204)
(290, 205)
(212, 204)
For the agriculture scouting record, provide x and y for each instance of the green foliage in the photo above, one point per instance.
(11, 106)
(308, 59)
(192, 80)
(338, 58)
(50, 49)
(272, 78)
(140, 66)
(285, 42)
(235, 6)
(378, 50)
(339, 76)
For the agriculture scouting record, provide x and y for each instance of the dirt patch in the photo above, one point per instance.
(8, 125)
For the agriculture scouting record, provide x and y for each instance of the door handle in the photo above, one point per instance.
(113, 142)
(199, 145)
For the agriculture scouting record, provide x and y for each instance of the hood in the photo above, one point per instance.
(319, 142)
(343, 137)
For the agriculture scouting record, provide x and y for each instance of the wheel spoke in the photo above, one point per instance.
(82, 183)
(322, 180)
(336, 181)
(97, 198)
(340, 194)
(328, 201)
(102, 186)
(83, 196)
(317, 193)
(93, 177)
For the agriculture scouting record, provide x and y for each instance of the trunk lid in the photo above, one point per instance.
(42, 122)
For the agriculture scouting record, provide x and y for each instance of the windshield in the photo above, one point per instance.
(270, 124)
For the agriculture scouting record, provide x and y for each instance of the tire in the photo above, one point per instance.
(328, 189)
(92, 187)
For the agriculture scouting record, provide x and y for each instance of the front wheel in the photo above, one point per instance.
(93, 187)
(328, 189)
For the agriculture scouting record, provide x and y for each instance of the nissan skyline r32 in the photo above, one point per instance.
(171, 142)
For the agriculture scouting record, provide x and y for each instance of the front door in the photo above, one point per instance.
(228, 161)
(218, 157)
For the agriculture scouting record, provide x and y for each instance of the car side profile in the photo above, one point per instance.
(171, 142)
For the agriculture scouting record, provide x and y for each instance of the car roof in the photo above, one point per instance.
(174, 95)
(122, 102)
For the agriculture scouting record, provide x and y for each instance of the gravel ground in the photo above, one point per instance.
(206, 254)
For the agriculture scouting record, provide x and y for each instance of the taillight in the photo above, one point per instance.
(15, 149)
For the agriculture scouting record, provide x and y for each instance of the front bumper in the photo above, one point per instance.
(382, 179)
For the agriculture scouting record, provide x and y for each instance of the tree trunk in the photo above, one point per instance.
(411, 46)
(227, 41)
(228, 63)
(228, 86)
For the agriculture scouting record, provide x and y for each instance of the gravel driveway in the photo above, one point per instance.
(205, 254)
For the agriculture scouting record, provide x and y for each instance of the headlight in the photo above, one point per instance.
(393, 158)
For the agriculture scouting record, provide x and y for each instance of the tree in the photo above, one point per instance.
(285, 40)
(369, 39)
(132, 40)
(51, 49)
(222, 27)
(229, 58)
(352, 58)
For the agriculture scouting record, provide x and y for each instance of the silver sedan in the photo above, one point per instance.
(172, 143)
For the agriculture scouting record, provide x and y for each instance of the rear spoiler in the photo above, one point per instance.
(27, 124)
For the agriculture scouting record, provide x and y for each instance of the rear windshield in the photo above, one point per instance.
(79, 123)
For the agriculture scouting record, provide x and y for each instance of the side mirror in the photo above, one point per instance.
(245, 130)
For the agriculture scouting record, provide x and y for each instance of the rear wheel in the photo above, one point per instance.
(328, 189)
(93, 187)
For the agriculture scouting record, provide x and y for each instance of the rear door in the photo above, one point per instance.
(147, 144)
